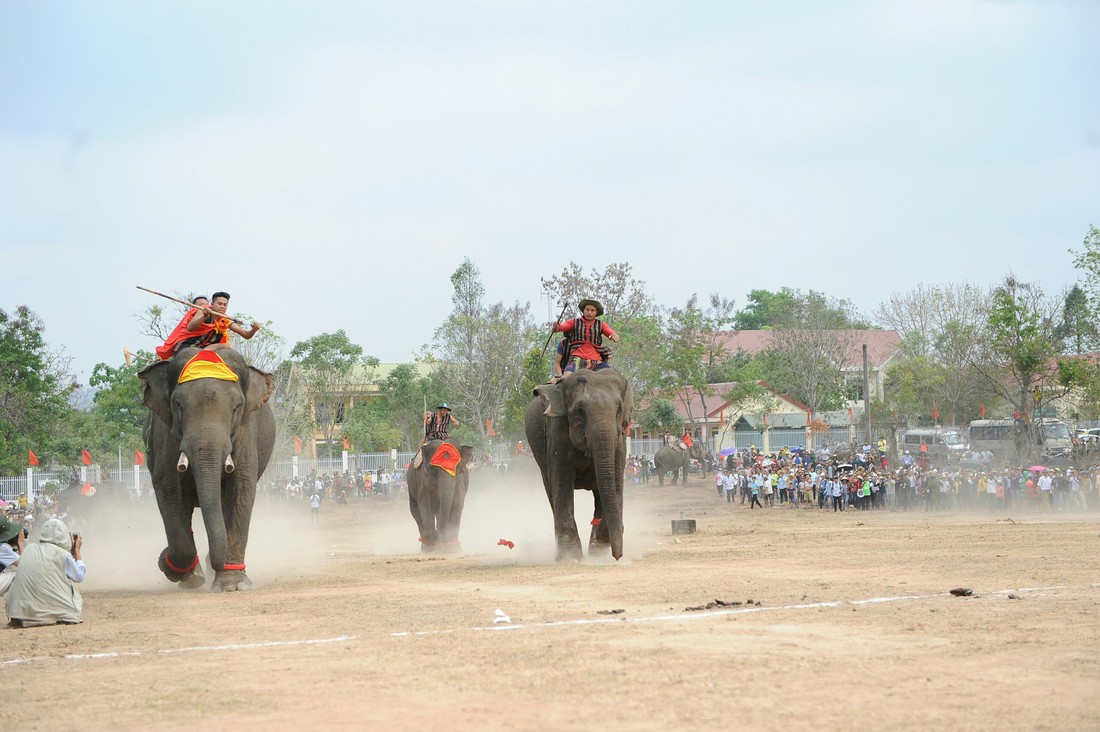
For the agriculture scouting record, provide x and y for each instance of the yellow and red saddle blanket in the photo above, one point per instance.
(207, 365)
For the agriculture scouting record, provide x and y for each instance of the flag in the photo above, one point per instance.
(87, 490)
(139, 457)
(297, 445)
(32, 458)
(807, 419)
(347, 444)
(983, 411)
(851, 416)
(86, 457)
(935, 413)
(489, 428)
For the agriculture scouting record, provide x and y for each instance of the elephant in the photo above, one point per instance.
(436, 497)
(674, 458)
(576, 430)
(209, 435)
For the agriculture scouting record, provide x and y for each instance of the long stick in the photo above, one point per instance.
(560, 315)
(188, 304)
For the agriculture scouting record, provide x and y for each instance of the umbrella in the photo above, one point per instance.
(1036, 468)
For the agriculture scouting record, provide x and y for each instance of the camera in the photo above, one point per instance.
(74, 537)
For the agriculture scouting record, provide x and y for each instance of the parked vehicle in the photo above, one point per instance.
(1008, 440)
(942, 445)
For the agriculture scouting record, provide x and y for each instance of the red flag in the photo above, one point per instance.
(297, 445)
(851, 416)
(935, 413)
(983, 411)
(32, 458)
(347, 444)
(489, 428)
(139, 457)
(86, 457)
(807, 419)
(765, 420)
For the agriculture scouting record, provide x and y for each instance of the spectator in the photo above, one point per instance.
(43, 591)
(11, 547)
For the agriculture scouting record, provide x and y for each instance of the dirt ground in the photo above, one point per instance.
(834, 621)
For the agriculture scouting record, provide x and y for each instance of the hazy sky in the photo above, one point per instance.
(331, 163)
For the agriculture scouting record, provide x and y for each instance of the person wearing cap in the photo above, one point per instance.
(43, 591)
(437, 424)
(12, 537)
(584, 335)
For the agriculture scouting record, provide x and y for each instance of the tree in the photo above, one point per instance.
(480, 351)
(661, 417)
(34, 388)
(329, 372)
(395, 417)
(765, 310)
(1088, 261)
(692, 349)
(1077, 329)
(940, 327)
(1018, 356)
(809, 349)
(627, 308)
(119, 399)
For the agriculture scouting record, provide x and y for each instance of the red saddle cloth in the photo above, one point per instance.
(447, 457)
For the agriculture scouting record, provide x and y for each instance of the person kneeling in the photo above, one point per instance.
(43, 591)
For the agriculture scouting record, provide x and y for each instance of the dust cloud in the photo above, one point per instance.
(123, 538)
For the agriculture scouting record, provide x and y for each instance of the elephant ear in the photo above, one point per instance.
(156, 384)
(258, 390)
(552, 399)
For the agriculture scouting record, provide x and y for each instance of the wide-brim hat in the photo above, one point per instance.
(586, 302)
(8, 528)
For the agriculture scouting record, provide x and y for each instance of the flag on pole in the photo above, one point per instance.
(983, 411)
(86, 457)
(851, 416)
(347, 444)
(935, 412)
(32, 458)
(297, 445)
(139, 457)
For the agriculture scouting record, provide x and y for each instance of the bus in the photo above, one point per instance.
(1005, 438)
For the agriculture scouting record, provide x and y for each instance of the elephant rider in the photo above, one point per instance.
(205, 326)
(686, 440)
(437, 426)
(584, 338)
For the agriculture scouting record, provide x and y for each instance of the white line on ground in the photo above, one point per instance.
(676, 617)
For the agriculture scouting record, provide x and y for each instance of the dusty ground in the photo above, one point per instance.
(349, 627)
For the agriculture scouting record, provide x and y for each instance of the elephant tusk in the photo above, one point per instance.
(181, 466)
(229, 465)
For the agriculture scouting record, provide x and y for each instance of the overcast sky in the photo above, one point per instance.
(331, 163)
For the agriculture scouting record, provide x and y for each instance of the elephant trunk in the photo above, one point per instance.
(209, 462)
(608, 462)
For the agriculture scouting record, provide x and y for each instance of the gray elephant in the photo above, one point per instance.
(675, 458)
(209, 435)
(437, 493)
(576, 430)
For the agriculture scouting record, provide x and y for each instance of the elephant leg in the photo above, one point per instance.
(179, 561)
(428, 504)
(599, 541)
(238, 497)
(452, 519)
(565, 524)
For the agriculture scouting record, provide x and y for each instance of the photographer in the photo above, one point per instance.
(43, 591)
(11, 547)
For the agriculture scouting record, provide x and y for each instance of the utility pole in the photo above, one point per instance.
(867, 395)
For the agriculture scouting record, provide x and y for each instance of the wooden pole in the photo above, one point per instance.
(189, 304)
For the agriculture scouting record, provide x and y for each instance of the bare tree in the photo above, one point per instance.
(480, 350)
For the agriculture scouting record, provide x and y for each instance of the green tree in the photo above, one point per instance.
(1077, 330)
(330, 370)
(1088, 261)
(661, 417)
(35, 385)
(479, 351)
(1018, 356)
(119, 398)
(765, 310)
(692, 348)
